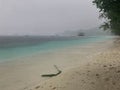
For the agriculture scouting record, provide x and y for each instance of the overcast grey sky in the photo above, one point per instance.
(46, 16)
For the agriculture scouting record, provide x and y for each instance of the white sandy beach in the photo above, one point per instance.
(90, 67)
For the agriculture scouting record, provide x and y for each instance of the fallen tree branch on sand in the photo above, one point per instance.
(52, 75)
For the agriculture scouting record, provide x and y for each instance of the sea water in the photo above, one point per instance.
(18, 46)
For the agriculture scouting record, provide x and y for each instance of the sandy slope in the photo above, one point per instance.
(101, 72)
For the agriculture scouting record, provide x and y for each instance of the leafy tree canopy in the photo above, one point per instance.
(110, 9)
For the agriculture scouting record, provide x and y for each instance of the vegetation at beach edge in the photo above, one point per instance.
(110, 10)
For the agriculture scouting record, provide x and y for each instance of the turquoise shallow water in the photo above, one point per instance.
(17, 52)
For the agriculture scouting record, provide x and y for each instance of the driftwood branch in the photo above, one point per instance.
(52, 75)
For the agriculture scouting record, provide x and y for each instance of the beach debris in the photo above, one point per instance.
(37, 87)
(107, 79)
(52, 75)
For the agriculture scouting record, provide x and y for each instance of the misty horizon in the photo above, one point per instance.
(44, 17)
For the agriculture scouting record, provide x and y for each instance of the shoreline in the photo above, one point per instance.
(23, 75)
(101, 72)
(30, 49)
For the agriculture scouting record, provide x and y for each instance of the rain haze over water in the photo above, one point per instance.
(19, 19)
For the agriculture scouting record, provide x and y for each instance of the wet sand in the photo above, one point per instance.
(101, 72)
(90, 67)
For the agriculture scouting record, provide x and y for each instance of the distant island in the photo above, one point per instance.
(85, 32)
(81, 34)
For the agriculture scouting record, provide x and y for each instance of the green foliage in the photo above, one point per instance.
(110, 10)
